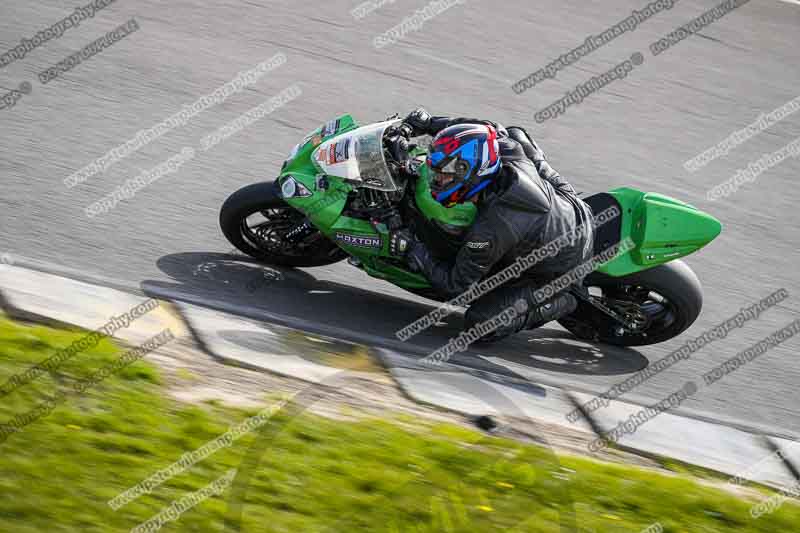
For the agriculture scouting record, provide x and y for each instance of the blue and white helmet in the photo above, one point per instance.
(463, 160)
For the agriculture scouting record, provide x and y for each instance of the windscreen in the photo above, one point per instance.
(358, 157)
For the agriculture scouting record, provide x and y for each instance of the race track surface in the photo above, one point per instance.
(635, 132)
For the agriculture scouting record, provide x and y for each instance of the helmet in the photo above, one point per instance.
(462, 160)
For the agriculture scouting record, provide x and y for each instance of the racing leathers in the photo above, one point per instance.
(527, 206)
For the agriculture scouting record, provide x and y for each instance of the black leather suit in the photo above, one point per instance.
(527, 206)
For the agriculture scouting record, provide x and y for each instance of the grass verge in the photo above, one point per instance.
(388, 475)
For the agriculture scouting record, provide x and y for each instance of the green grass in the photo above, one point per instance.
(391, 475)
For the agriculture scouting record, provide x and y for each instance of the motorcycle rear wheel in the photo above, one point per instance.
(664, 301)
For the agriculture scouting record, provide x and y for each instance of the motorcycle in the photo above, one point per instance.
(342, 190)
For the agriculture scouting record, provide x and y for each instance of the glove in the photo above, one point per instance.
(401, 242)
(419, 120)
(399, 161)
(404, 245)
(398, 148)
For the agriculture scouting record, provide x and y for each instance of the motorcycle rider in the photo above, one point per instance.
(522, 204)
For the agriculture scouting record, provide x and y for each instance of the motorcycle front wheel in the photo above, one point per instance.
(255, 220)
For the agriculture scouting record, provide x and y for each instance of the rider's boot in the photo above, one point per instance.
(557, 307)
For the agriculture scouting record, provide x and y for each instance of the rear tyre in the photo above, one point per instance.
(663, 301)
(255, 220)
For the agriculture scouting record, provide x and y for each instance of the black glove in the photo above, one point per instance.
(404, 245)
(419, 120)
(398, 148)
(401, 242)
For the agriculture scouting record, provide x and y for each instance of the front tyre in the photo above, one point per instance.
(662, 302)
(255, 220)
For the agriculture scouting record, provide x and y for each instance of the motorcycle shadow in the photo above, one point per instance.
(370, 317)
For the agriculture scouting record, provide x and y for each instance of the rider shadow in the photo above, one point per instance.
(232, 281)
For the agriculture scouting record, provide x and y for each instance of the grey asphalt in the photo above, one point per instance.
(636, 132)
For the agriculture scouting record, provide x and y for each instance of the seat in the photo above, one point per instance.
(609, 233)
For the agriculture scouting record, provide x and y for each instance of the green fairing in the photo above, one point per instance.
(662, 228)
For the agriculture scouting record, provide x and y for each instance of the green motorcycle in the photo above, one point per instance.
(339, 195)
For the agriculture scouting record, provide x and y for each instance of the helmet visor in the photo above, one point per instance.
(442, 176)
(442, 181)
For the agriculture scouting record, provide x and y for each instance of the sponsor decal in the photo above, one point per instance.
(330, 128)
(478, 245)
(360, 241)
(341, 151)
(335, 153)
(311, 134)
(315, 138)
